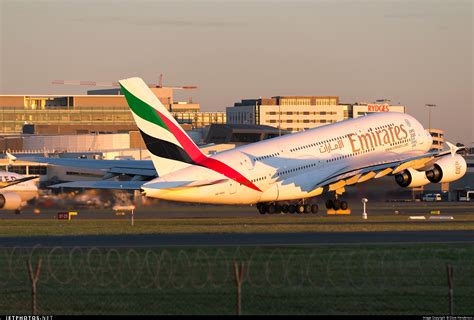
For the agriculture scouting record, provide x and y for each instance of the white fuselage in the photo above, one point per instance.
(289, 167)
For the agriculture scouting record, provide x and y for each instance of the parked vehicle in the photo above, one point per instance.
(432, 197)
(466, 196)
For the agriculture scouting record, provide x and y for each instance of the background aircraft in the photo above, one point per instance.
(16, 190)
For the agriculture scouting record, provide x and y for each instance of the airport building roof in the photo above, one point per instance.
(290, 100)
(108, 112)
(241, 133)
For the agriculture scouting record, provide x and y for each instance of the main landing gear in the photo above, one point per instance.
(300, 208)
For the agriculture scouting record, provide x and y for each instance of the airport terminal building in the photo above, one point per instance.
(297, 113)
(99, 111)
(438, 139)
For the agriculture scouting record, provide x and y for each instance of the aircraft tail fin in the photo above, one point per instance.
(170, 147)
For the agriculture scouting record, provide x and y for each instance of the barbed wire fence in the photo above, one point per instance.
(238, 280)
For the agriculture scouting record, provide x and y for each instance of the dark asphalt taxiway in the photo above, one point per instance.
(241, 239)
(207, 211)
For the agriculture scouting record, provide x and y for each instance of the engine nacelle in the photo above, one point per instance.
(10, 201)
(447, 169)
(411, 178)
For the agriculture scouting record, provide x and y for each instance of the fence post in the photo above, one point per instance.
(239, 275)
(450, 270)
(33, 278)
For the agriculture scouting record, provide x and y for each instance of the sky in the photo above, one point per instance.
(414, 52)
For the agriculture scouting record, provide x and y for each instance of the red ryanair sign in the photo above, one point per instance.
(377, 107)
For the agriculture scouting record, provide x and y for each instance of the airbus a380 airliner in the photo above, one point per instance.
(289, 168)
(280, 173)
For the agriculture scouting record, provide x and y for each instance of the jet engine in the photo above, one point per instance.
(411, 178)
(447, 169)
(10, 201)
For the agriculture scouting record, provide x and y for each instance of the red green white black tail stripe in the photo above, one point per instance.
(154, 122)
(170, 147)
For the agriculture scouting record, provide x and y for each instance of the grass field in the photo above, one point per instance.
(317, 279)
(370, 279)
(309, 223)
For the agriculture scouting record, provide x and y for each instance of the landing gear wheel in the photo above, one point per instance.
(291, 208)
(314, 208)
(336, 204)
(344, 205)
(300, 209)
(17, 211)
(329, 204)
(278, 209)
(285, 209)
(262, 208)
(271, 209)
(307, 208)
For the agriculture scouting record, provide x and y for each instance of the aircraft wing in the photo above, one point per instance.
(114, 185)
(376, 167)
(136, 185)
(143, 168)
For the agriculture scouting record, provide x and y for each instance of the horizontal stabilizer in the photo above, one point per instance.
(135, 185)
(132, 167)
(176, 185)
(112, 185)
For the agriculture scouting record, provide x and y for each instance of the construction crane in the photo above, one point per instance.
(116, 84)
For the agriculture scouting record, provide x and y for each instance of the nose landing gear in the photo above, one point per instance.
(336, 204)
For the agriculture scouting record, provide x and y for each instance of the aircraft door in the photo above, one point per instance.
(249, 162)
(277, 193)
(233, 187)
(270, 194)
(284, 154)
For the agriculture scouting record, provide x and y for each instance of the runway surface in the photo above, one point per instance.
(209, 211)
(252, 239)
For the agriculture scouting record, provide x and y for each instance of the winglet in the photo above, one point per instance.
(452, 148)
(11, 158)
